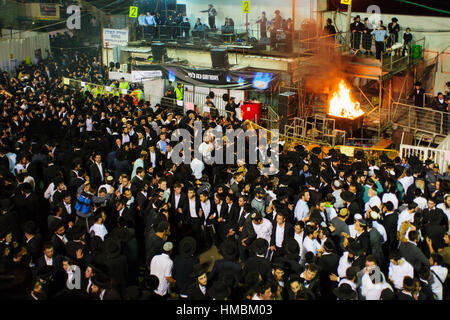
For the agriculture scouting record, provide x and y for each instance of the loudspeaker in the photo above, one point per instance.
(211, 94)
(219, 59)
(112, 64)
(117, 65)
(158, 51)
(225, 97)
(287, 108)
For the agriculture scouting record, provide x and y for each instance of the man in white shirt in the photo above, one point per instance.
(421, 201)
(299, 235)
(407, 214)
(262, 226)
(374, 200)
(439, 275)
(399, 268)
(301, 210)
(161, 266)
(98, 228)
(197, 167)
(310, 243)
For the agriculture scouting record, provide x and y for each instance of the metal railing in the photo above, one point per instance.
(394, 59)
(420, 119)
(436, 155)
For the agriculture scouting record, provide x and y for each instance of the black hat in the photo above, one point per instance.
(259, 246)
(359, 155)
(344, 292)
(313, 181)
(30, 227)
(418, 83)
(428, 162)
(77, 231)
(101, 280)
(220, 290)
(316, 150)
(394, 19)
(228, 250)
(112, 248)
(347, 196)
(188, 245)
(291, 246)
(5, 205)
(362, 222)
(151, 282)
(355, 248)
(279, 264)
(199, 269)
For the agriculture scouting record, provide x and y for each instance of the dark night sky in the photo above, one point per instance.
(393, 6)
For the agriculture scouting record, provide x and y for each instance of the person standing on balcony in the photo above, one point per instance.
(151, 23)
(212, 13)
(380, 38)
(356, 28)
(367, 37)
(418, 94)
(439, 104)
(407, 38)
(142, 24)
(263, 25)
(394, 29)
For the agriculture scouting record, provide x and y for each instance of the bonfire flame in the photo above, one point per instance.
(342, 105)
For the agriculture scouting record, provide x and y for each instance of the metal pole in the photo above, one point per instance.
(349, 17)
(380, 103)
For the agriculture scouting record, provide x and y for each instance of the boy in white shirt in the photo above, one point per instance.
(98, 228)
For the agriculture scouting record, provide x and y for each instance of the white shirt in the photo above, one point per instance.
(406, 182)
(153, 159)
(177, 199)
(192, 209)
(197, 167)
(344, 264)
(68, 207)
(299, 238)
(373, 202)
(263, 230)
(421, 202)
(106, 186)
(48, 261)
(372, 291)
(380, 228)
(351, 229)
(301, 210)
(89, 124)
(279, 235)
(310, 245)
(398, 272)
(436, 285)
(404, 216)
(161, 266)
(99, 230)
(206, 208)
(48, 194)
(392, 198)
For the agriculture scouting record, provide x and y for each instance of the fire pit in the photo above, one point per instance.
(347, 113)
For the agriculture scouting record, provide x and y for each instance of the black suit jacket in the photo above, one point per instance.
(60, 247)
(182, 270)
(95, 175)
(413, 255)
(390, 225)
(288, 232)
(260, 265)
(57, 263)
(224, 264)
(34, 247)
(194, 293)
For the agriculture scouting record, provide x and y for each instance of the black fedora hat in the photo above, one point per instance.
(151, 282)
(30, 227)
(220, 290)
(228, 250)
(199, 269)
(187, 247)
(112, 248)
(259, 246)
(418, 83)
(279, 264)
(77, 231)
(344, 292)
(291, 247)
(101, 280)
(355, 249)
(347, 196)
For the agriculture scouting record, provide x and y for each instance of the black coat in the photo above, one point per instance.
(260, 265)
(182, 270)
(288, 232)
(413, 255)
(222, 265)
(34, 247)
(194, 293)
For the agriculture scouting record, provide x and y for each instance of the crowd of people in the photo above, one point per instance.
(88, 183)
